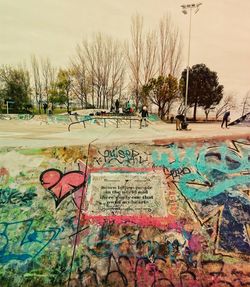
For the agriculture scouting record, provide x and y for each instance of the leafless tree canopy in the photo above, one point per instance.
(100, 67)
(37, 81)
(43, 78)
(134, 56)
(246, 104)
(81, 85)
(169, 48)
(48, 77)
(152, 54)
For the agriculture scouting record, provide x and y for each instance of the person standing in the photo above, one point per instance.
(112, 109)
(50, 108)
(117, 105)
(172, 119)
(128, 107)
(144, 115)
(120, 111)
(45, 106)
(225, 119)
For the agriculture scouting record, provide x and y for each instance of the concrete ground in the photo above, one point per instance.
(32, 133)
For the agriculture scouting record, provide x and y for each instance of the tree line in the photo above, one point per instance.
(145, 69)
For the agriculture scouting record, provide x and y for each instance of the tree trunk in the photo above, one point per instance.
(206, 112)
(136, 100)
(107, 103)
(159, 111)
(39, 108)
(93, 95)
(98, 100)
(103, 100)
(85, 101)
(68, 102)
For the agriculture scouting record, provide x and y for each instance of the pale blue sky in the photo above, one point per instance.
(52, 28)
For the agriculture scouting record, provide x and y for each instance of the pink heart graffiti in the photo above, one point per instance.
(62, 185)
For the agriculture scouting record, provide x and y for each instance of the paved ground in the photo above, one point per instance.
(32, 133)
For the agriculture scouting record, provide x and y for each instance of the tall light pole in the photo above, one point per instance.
(188, 8)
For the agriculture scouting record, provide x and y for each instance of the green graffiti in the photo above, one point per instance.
(214, 169)
(163, 159)
(10, 196)
(206, 191)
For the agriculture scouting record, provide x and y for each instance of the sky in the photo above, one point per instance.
(220, 36)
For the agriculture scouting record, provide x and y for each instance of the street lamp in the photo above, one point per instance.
(185, 9)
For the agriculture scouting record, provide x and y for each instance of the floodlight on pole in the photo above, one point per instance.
(188, 8)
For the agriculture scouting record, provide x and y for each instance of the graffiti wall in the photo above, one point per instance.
(174, 214)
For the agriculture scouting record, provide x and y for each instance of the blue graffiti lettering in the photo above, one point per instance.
(20, 241)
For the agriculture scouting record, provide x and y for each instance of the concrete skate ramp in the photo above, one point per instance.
(124, 207)
(244, 121)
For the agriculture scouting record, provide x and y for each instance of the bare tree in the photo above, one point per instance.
(141, 55)
(94, 60)
(149, 57)
(88, 55)
(246, 103)
(48, 76)
(81, 79)
(105, 64)
(228, 102)
(134, 55)
(163, 53)
(37, 81)
(106, 60)
(117, 72)
(169, 48)
(143, 50)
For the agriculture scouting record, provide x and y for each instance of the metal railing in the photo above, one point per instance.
(105, 119)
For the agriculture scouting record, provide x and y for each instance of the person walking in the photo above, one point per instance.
(225, 119)
(144, 116)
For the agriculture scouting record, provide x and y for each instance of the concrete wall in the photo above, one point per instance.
(165, 214)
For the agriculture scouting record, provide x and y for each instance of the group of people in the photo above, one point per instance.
(180, 119)
(119, 110)
(128, 109)
(181, 123)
